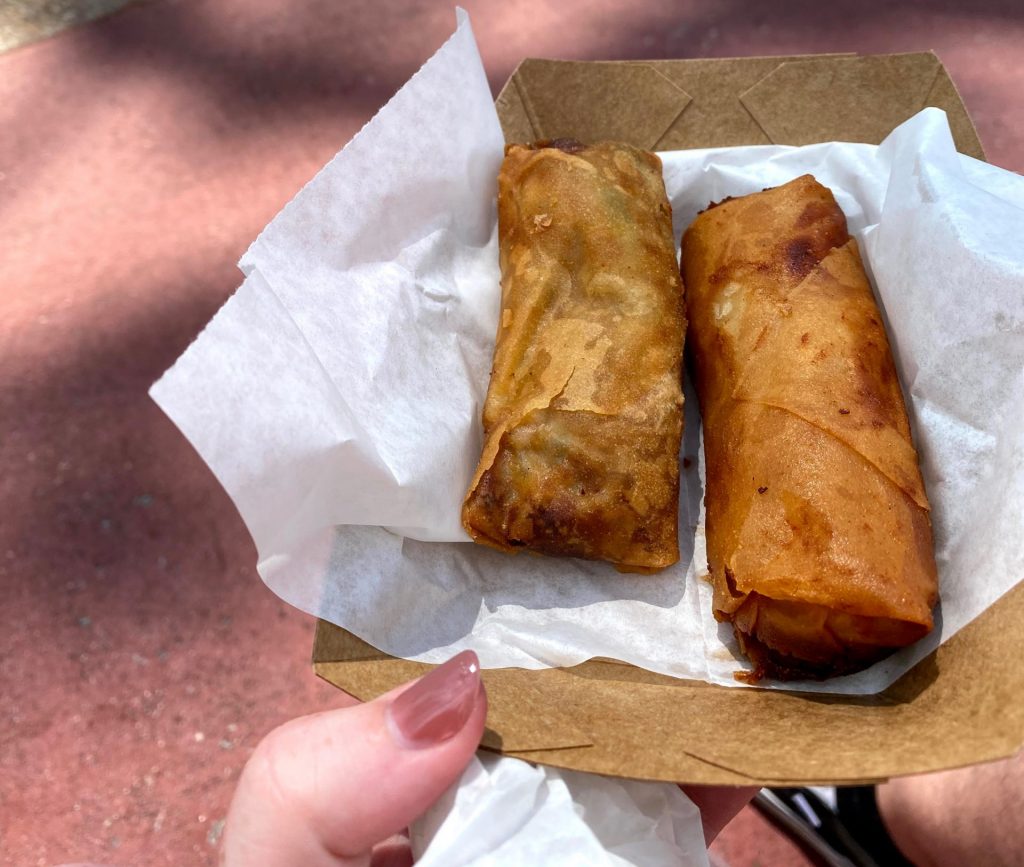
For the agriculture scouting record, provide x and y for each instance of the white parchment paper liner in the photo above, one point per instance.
(504, 811)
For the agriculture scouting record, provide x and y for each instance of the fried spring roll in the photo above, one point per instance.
(818, 530)
(583, 417)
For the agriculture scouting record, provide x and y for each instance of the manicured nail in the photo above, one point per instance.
(436, 707)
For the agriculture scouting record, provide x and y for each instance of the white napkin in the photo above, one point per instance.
(504, 811)
(338, 393)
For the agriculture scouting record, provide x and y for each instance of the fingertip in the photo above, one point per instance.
(339, 781)
(438, 705)
(403, 758)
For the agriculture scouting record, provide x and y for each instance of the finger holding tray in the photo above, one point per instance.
(583, 416)
(818, 531)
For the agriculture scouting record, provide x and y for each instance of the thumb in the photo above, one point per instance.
(323, 789)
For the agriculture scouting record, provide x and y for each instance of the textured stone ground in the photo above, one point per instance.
(140, 657)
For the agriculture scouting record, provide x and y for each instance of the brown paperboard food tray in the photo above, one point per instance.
(961, 705)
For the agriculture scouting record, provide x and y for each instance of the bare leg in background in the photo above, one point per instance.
(971, 816)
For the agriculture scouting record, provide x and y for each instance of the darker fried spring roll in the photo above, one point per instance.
(818, 530)
(583, 417)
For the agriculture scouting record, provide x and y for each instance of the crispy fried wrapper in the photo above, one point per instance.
(583, 417)
(818, 532)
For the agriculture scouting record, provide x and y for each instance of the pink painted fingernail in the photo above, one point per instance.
(436, 707)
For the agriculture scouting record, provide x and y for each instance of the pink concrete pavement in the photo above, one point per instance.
(141, 658)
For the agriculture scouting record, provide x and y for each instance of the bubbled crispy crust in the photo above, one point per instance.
(819, 539)
(583, 417)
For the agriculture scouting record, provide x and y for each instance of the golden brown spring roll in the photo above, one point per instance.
(583, 416)
(818, 530)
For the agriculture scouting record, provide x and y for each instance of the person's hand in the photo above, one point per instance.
(324, 790)
(329, 790)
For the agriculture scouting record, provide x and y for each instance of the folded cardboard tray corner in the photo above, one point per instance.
(961, 705)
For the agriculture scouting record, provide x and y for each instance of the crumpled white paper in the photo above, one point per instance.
(504, 811)
(338, 393)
